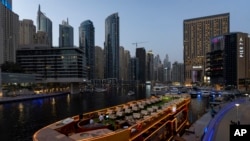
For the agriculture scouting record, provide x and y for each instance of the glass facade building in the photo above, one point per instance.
(227, 63)
(66, 35)
(134, 69)
(111, 47)
(87, 43)
(53, 64)
(44, 24)
(7, 4)
(141, 55)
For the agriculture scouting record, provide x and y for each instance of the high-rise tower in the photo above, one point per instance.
(229, 60)
(196, 40)
(167, 69)
(9, 27)
(87, 43)
(44, 24)
(111, 46)
(27, 32)
(141, 55)
(150, 65)
(66, 35)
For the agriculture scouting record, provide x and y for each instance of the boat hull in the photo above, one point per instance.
(161, 118)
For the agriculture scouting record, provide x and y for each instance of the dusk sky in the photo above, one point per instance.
(157, 23)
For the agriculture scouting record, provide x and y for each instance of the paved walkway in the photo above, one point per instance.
(221, 132)
(217, 128)
(197, 129)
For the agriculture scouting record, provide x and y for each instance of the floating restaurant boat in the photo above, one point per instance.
(155, 118)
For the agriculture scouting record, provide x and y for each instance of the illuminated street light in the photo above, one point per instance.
(237, 110)
(174, 108)
(246, 97)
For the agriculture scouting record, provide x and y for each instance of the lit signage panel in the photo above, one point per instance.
(241, 48)
(197, 67)
(217, 43)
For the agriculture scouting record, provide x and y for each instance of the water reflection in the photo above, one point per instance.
(21, 112)
(24, 118)
(53, 107)
(148, 90)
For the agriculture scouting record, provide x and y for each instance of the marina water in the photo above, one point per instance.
(20, 120)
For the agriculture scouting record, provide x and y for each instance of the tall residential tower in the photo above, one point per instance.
(9, 27)
(44, 24)
(141, 55)
(27, 32)
(111, 46)
(197, 33)
(87, 43)
(66, 35)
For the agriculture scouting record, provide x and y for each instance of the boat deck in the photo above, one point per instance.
(122, 120)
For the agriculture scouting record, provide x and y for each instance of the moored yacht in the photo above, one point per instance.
(159, 90)
(131, 92)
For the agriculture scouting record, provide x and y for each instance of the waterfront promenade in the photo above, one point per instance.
(216, 128)
(29, 97)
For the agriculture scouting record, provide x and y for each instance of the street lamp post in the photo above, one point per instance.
(237, 110)
(246, 97)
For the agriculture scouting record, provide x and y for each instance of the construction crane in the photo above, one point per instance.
(136, 43)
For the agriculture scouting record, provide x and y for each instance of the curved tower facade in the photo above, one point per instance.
(87, 43)
(111, 46)
(44, 24)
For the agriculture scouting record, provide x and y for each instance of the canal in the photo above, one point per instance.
(19, 120)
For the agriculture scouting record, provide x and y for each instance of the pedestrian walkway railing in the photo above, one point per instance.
(214, 122)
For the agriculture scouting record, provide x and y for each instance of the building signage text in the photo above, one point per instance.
(241, 48)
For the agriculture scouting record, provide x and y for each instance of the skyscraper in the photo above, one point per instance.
(41, 38)
(44, 24)
(229, 60)
(167, 69)
(141, 55)
(111, 46)
(99, 62)
(150, 66)
(196, 40)
(126, 62)
(157, 68)
(134, 69)
(27, 31)
(177, 72)
(87, 43)
(9, 27)
(66, 35)
(121, 63)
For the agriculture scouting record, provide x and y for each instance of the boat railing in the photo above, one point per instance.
(145, 124)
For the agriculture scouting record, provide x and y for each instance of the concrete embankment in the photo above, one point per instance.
(29, 97)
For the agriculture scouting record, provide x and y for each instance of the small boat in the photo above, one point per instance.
(99, 90)
(159, 90)
(131, 92)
